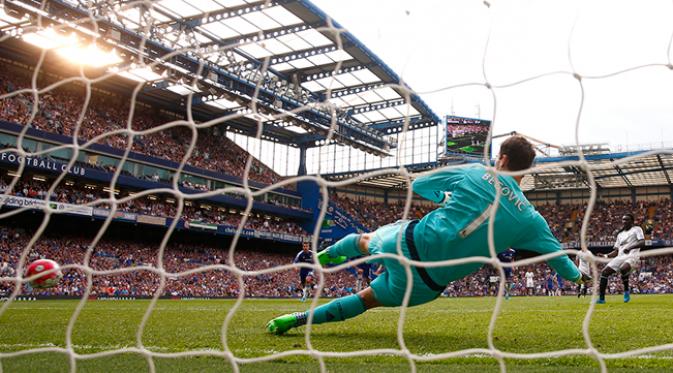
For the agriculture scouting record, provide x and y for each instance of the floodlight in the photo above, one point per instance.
(89, 56)
(49, 39)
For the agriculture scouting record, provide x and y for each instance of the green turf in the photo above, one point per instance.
(525, 325)
(469, 149)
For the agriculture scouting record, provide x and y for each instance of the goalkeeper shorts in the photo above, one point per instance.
(390, 286)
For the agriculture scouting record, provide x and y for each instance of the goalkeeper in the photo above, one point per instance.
(457, 229)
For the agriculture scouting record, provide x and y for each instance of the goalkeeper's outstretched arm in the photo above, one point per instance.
(541, 240)
(434, 187)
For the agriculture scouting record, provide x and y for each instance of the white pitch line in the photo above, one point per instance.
(248, 350)
(77, 347)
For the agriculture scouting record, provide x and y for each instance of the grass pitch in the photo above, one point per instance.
(525, 325)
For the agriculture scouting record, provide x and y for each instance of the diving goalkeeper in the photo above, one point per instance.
(457, 229)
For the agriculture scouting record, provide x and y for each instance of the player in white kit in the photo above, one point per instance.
(530, 283)
(585, 268)
(626, 256)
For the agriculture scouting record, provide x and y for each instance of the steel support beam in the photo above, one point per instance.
(303, 74)
(218, 15)
(664, 169)
(620, 172)
(340, 92)
(261, 35)
(317, 120)
(325, 74)
(299, 54)
(582, 176)
(378, 105)
(396, 125)
(637, 172)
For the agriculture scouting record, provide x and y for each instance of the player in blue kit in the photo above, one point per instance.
(559, 285)
(304, 256)
(363, 273)
(507, 256)
(549, 286)
(457, 229)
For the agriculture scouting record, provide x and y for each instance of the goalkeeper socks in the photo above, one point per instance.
(337, 310)
(625, 280)
(347, 246)
(604, 285)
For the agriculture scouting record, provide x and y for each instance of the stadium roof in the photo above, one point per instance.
(647, 169)
(287, 45)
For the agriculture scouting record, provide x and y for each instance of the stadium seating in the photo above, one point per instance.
(59, 110)
(654, 276)
(155, 207)
(178, 257)
(565, 220)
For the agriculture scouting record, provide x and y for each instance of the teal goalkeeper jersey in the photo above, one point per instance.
(459, 229)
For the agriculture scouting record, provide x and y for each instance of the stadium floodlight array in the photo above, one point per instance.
(246, 192)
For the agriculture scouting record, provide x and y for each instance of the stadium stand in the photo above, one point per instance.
(111, 254)
(565, 220)
(654, 276)
(154, 206)
(58, 112)
(373, 214)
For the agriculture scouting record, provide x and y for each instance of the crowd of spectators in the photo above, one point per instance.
(118, 254)
(373, 214)
(458, 130)
(59, 110)
(154, 206)
(605, 219)
(565, 220)
(655, 274)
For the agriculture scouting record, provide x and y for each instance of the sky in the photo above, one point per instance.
(434, 45)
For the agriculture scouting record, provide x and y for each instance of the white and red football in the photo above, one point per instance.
(47, 280)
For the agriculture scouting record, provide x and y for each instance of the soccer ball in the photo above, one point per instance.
(45, 281)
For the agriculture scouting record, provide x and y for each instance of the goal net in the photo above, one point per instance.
(72, 109)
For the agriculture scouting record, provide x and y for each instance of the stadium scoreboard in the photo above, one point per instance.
(465, 137)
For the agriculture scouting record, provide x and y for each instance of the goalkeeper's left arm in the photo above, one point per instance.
(567, 269)
(540, 239)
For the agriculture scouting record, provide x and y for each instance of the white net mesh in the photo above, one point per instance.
(146, 21)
